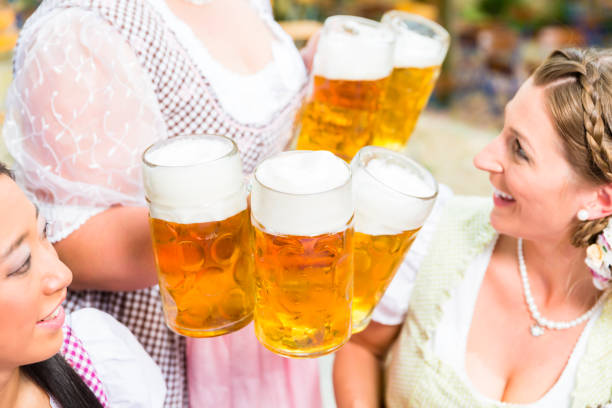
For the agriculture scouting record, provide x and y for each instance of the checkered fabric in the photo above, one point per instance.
(141, 311)
(76, 355)
(188, 104)
(187, 101)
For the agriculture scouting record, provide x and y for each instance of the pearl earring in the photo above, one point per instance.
(583, 215)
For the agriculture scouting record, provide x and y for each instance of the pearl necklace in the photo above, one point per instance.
(537, 329)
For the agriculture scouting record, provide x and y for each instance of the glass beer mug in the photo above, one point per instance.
(393, 195)
(201, 234)
(302, 215)
(420, 49)
(351, 69)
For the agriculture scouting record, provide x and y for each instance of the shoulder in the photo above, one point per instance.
(52, 16)
(594, 376)
(129, 375)
(463, 230)
(465, 214)
(262, 6)
(468, 206)
(49, 28)
(82, 320)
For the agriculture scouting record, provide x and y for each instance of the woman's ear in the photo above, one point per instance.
(601, 205)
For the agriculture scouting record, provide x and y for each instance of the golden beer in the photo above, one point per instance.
(302, 213)
(304, 291)
(407, 94)
(200, 228)
(205, 274)
(377, 258)
(419, 51)
(341, 117)
(351, 70)
(393, 197)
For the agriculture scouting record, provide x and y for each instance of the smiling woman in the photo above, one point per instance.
(32, 287)
(97, 82)
(33, 284)
(496, 301)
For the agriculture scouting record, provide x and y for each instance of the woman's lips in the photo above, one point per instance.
(502, 199)
(54, 320)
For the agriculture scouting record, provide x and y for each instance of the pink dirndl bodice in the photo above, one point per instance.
(77, 357)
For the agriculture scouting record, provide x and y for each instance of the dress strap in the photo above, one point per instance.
(594, 377)
(77, 357)
(414, 376)
(464, 231)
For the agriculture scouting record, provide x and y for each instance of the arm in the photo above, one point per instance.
(309, 50)
(111, 251)
(358, 367)
(80, 112)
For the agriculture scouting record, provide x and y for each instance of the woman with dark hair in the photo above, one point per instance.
(500, 308)
(100, 354)
(98, 81)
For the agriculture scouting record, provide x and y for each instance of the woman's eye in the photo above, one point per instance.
(23, 268)
(44, 231)
(518, 150)
(42, 227)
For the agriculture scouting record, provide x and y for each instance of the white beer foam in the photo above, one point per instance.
(390, 198)
(189, 151)
(302, 192)
(354, 49)
(192, 179)
(413, 50)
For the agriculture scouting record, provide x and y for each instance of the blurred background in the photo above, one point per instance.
(495, 45)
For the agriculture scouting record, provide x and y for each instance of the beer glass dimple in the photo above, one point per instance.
(393, 195)
(302, 214)
(420, 49)
(201, 234)
(351, 69)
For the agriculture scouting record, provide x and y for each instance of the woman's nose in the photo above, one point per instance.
(57, 276)
(490, 158)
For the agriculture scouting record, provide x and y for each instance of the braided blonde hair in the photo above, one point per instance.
(578, 85)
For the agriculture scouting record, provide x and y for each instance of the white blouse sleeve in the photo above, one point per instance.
(128, 374)
(263, 6)
(80, 112)
(392, 308)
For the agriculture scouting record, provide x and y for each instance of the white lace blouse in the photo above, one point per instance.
(79, 111)
(82, 108)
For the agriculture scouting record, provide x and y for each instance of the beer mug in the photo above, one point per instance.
(351, 69)
(201, 234)
(302, 214)
(393, 195)
(420, 49)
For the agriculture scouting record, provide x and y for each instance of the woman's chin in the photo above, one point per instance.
(503, 224)
(47, 348)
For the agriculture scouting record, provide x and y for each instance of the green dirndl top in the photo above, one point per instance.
(416, 377)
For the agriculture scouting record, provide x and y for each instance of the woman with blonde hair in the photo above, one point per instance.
(500, 308)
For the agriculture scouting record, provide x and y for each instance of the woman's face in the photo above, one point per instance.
(33, 283)
(536, 193)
